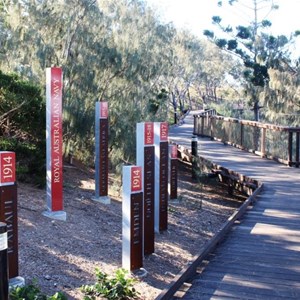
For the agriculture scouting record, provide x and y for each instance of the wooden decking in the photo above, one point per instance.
(260, 256)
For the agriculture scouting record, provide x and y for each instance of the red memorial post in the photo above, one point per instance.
(132, 221)
(9, 209)
(145, 157)
(161, 176)
(101, 153)
(54, 153)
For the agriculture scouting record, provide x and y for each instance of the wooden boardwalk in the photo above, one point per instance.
(260, 256)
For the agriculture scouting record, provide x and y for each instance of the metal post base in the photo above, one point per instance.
(102, 199)
(56, 215)
(16, 282)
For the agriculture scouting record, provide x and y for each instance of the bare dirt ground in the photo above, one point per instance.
(62, 256)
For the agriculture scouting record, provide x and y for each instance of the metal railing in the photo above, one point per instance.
(280, 143)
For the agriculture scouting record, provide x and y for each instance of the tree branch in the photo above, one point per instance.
(2, 117)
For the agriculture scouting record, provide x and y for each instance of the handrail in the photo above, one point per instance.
(256, 124)
(281, 143)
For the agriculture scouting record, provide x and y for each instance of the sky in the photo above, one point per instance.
(196, 15)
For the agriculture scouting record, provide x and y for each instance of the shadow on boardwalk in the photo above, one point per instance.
(260, 257)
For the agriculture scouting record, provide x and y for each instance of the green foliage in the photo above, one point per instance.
(33, 292)
(259, 51)
(22, 126)
(232, 44)
(118, 287)
(159, 101)
(28, 292)
(244, 32)
(209, 33)
(116, 51)
(266, 23)
(221, 43)
(58, 296)
(22, 109)
(216, 19)
(30, 159)
(257, 56)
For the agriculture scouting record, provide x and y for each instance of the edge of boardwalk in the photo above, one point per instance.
(189, 271)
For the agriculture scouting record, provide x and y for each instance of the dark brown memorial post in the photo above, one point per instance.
(132, 222)
(101, 153)
(145, 157)
(161, 176)
(3, 262)
(173, 171)
(8, 208)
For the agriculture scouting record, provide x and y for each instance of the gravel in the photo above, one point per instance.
(62, 256)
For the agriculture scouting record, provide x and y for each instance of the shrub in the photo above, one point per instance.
(33, 292)
(30, 159)
(23, 125)
(119, 287)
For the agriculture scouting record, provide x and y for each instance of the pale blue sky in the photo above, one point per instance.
(196, 15)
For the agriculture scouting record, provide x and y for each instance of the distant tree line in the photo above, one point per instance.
(120, 51)
(117, 51)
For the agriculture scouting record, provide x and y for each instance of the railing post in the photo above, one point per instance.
(3, 262)
(297, 148)
(263, 143)
(207, 119)
(242, 136)
(255, 138)
(195, 125)
(209, 127)
(194, 146)
(290, 149)
(213, 128)
(202, 125)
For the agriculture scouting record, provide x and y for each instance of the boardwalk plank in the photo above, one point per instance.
(246, 248)
(265, 258)
(253, 220)
(255, 270)
(262, 278)
(250, 290)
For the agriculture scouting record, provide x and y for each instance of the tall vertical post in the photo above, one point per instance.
(194, 146)
(9, 208)
(297, 148)
(145, 157)
(290, 148)
(54, 153)
(173, 171)
(242, 135)
(3, 262)
(161, 176)
(263, 142)
(195, 130)
(101, 152)
(202, 125)
(132, 220)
